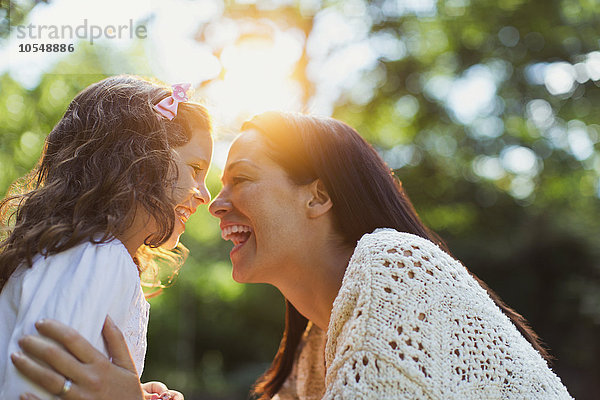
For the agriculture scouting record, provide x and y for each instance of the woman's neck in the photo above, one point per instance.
(316, 283)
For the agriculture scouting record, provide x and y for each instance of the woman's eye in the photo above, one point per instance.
(238, 179)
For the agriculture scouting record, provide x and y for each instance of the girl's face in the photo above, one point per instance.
(192, 160)
(261, 212)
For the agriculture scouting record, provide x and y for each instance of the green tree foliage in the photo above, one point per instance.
(486, 111)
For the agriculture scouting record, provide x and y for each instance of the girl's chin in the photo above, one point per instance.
(172, 242)
(174, 239)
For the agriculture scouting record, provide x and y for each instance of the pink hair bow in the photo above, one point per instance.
(167, 107)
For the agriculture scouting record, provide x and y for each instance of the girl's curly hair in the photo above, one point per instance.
(109, 154)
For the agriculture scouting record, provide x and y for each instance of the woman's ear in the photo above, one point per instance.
(319, 202)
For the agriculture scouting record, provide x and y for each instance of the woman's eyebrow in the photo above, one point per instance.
(237, 163)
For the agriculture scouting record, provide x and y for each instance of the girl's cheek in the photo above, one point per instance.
(183, 188)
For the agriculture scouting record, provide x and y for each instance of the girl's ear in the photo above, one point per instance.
(319, 202)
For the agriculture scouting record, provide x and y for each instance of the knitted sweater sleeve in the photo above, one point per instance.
(410, 322)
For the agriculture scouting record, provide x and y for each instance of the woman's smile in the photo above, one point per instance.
(239, 234)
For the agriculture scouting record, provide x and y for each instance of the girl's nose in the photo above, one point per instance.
(201, 193)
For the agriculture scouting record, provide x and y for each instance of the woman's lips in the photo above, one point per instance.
(237, 233)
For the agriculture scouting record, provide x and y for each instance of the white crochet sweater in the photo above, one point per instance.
(409, 322)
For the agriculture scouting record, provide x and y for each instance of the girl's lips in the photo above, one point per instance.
(183, 213)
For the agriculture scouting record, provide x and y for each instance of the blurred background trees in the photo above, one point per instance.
(487, 111)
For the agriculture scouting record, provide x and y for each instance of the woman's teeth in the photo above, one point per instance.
(183, 213)
(236, 233)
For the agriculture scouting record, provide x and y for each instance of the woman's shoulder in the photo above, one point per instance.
(385, 250)
(395, 273)
(411, 316)
(387, 239)
(392, 276)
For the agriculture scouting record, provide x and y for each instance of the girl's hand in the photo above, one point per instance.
(93, 376)
(159, 391)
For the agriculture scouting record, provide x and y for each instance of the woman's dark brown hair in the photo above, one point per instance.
(365, 196)
(109, 155)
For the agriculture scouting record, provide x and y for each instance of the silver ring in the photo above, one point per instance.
(66, 387)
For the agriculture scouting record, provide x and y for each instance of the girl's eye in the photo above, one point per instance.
(196, 169)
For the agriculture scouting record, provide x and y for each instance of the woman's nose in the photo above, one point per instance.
(220, 206)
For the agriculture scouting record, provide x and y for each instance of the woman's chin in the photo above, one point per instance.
(237, 275)
(241, 274)
(248, 273)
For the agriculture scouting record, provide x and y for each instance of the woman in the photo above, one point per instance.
(371, 313)
(120, 174)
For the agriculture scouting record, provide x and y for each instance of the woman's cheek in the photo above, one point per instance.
(248, 197)
(246, 189)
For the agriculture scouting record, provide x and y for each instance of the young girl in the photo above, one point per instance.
(119, 176)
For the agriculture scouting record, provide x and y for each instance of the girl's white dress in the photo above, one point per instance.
(78, 287)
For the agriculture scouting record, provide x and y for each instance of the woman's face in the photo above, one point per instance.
(192, 161)
(261, 212)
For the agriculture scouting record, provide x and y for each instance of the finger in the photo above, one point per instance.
(45, 377)
(69, 338)
(28, 396)
(175, 395)
(116, 346)
(155, 387)
(171, 395)
(53, 355)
